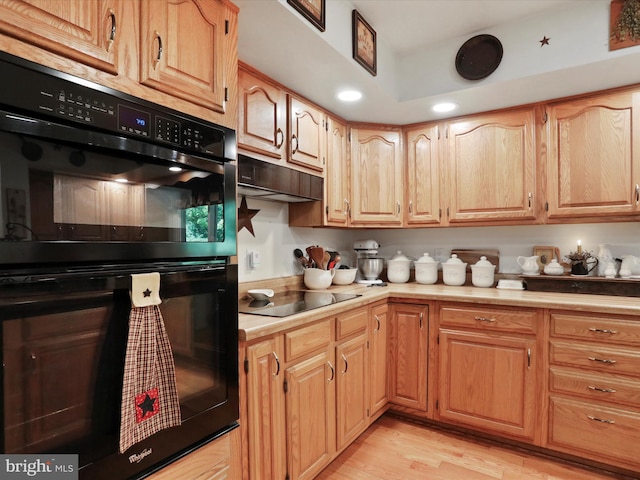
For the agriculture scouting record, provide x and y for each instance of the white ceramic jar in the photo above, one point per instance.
(483, 273)
(454, 271)
(553, 268)
(398, 268)
(426, 270)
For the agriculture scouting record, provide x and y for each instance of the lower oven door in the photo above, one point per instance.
(64, 339)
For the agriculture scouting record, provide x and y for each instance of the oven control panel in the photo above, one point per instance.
(101, 108)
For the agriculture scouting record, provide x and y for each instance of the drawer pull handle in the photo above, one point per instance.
(603, 420)
(600, 389)
(603, 330)
(602, 360)
(485, 319)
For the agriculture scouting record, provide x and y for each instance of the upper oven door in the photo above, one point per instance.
(72, 195)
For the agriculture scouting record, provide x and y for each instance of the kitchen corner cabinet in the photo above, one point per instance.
(377, 171)
(182, 50)
(84, 30)
(335, 210)
(488, 368)
(594, 387)
(423, 175)
(409, 335)
(378, 359)
(593, 165)
(491, 160)
(263, 116)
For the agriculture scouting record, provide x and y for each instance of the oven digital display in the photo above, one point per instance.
(133, 121)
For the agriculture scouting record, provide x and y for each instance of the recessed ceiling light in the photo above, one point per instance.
(175, 169)
(350, 95)
(121, 180)
(444, 107)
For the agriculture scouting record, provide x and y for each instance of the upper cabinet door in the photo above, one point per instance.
(263, 117)
(423, 176)
(376, 177)
(307, 135)
(82, 30)
(491, 161)
(594, 154)
(182, 50)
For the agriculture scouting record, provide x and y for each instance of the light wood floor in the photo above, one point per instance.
(394, 449)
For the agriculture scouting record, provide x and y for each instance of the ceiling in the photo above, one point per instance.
(417, 42)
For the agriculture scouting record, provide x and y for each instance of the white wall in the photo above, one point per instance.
(275, 240)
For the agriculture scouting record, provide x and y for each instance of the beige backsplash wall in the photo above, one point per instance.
(275, 241)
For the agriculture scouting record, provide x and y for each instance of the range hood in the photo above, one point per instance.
(266, 181)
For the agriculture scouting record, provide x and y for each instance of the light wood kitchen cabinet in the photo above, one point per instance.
(409, 334)
(376, 177)
(594, 386)
(423, 152)
(488, 368)
(263, 116)
(307, 134)
(182, 50)
(82, 30)
(593, 164)
(181, 54)
(311, 415)
(336, 181)
(378, 359)
(352, 402)
(491, 168)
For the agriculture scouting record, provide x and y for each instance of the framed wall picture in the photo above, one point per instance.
(312, 10)
(364, 44)
(546, 254)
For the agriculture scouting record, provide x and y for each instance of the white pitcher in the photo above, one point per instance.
(529, 265)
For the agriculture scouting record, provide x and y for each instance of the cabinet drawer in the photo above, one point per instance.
(498, 319)
(596, 357)
(592, 327)
(306, 340)
(590, 430)
(601, 387)
(351, 322)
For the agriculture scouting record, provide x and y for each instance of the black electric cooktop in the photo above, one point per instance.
(289, 303)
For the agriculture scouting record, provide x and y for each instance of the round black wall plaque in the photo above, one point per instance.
(478, 57)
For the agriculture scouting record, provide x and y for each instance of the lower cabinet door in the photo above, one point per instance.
(310, 415)
(488, 382)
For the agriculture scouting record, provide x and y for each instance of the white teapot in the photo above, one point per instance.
(553, 268)
(529, 265)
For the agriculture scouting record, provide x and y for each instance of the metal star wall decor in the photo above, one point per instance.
(544, 41)
(245, 215)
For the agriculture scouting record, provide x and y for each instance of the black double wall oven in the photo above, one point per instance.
(98, 186)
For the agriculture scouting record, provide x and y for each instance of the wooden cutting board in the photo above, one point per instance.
(471, 256)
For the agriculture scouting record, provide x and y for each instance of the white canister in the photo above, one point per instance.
(398, 268)
(482, 273)
(553, 268)
(454, 271)
(426, 270)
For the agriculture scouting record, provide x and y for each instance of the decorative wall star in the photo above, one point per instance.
(245, 215)
(544, 41)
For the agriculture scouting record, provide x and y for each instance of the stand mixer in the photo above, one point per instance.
(369, 264)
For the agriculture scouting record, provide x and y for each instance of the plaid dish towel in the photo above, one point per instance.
(149, 395)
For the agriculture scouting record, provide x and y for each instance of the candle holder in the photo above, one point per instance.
(582, 262)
